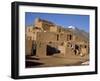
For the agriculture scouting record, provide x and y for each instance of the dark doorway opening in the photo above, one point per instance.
(52, 50)
(33, 50)
(77, 50)
(77, 47)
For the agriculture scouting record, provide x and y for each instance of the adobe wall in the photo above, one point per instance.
(29, 29)
(28, 47)
(30, 36)
(53, 36)
(42, 24)
(41, 49)
(54, 29)
(46, 36)
(65, 37)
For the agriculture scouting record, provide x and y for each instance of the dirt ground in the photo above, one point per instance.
(53, 61)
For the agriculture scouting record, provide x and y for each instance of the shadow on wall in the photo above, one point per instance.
(52, 50)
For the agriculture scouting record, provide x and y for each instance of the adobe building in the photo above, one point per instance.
(45, 38)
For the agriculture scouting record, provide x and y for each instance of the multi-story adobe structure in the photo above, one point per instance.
(45, 38)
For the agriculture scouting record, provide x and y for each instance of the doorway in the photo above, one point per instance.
(52, 50)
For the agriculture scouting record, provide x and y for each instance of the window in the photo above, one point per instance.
(60, 30)
(57, 37)
(62, 43)
(50, 42)
(85, 46)
(69, 37)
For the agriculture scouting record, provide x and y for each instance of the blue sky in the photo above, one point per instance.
(65, 20)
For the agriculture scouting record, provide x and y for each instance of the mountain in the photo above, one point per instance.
(71, 27)
(78, 32)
